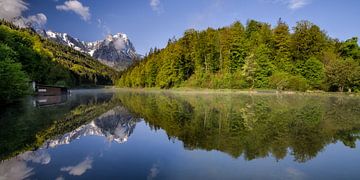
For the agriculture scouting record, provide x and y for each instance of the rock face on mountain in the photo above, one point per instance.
(115, 48)
(116, 51)
(116, 125)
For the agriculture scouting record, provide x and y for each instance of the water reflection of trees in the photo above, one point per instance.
(239, 125)
(252, 126)
(24, 127)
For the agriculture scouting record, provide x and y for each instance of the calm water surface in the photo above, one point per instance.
(117, 134)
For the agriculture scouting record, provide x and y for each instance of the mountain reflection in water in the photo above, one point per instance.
(116, 125)
(178, 128)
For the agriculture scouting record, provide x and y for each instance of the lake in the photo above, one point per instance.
(122, 134)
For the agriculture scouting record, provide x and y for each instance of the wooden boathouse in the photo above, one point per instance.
(44, 101)
(47, 90)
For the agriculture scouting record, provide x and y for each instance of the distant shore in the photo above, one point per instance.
(235, 91)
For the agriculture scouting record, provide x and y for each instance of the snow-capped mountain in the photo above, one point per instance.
(116, 125)
(112, 49)
(115, 51)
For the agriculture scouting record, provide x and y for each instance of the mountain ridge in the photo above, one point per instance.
(116, 50)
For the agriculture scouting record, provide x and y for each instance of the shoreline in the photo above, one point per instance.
(235, 91)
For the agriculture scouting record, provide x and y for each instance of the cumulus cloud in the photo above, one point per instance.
(35, 21)
(76, 7)
(155, 5)
(39, 19)
(40, 156)
(15, 169)
(80, 168)
(10, 9)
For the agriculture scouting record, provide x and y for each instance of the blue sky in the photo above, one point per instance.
(151, 23)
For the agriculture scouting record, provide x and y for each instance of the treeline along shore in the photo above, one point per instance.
(255, 55)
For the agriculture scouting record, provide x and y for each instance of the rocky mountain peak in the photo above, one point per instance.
(116, 50)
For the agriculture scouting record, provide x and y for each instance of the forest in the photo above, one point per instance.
(26, 57)
(251, 56)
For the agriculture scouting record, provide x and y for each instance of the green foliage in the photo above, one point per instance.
(249, 70)
(343, 74)
(350, 49)
(298, 83)
(237, 49)
(282, 47)
(313, 71)
(240, 56)
(307, 41)
(286, 81)
(279, 80)
(13, 81)
(47, 62)
(264, 66)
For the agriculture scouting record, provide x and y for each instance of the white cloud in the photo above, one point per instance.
(35, 21)
(10, 9)
(40, 156)
(76, 7)
(38, 20)
(156, 5)
(15, 169)
(80, 168)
